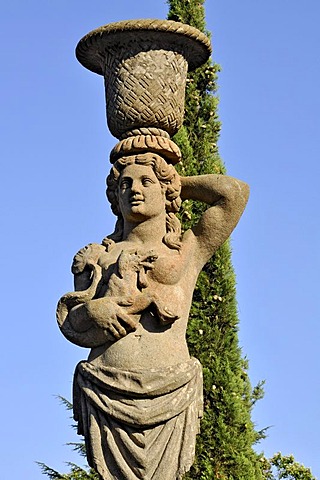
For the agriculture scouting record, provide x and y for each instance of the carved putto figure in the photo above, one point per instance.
(138, 397)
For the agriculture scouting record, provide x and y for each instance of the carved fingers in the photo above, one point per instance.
(111, 317)
(119, 326)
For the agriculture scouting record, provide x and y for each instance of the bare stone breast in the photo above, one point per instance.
(153, 344)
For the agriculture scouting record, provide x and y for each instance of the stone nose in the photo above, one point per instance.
(136, 186)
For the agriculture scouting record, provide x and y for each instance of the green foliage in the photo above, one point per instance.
(285, 467)
(225, 446)
(76, 473)
(187, 11)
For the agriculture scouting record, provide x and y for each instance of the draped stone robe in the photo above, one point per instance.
(139, 424)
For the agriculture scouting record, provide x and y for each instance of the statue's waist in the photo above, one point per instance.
(143, 349)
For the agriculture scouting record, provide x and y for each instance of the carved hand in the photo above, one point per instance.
(109, 316)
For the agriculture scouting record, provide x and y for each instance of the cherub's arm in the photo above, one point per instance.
(227, 198)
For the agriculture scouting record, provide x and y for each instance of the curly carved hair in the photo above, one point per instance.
(170, 183)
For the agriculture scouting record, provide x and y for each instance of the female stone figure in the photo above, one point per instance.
(138, 398)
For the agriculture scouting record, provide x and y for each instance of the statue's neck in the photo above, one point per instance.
(150, 231)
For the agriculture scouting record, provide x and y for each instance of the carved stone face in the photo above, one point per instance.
(140, 194)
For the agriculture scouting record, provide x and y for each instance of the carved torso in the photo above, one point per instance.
(172, 278)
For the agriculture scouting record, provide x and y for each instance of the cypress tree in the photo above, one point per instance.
(225, 446)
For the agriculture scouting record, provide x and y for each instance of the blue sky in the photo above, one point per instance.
(54, 150)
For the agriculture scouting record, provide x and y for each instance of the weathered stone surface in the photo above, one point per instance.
(140, 417)
(147, 140)
(138, 398)
(144, 63)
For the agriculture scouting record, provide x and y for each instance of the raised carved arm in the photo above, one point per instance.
(226, 197)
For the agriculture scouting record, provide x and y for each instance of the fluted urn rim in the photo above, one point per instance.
(195, 44)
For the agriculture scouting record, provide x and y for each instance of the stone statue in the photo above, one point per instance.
(138, 397)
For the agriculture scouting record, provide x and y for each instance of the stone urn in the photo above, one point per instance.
(144, 64)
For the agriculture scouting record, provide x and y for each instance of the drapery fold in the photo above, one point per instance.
(139, 424)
